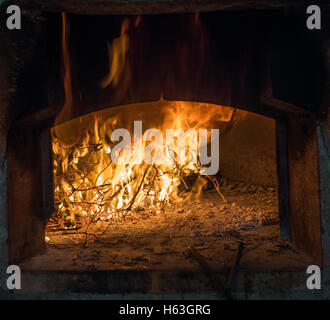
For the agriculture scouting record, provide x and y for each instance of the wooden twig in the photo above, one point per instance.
(216, 283)
(234, 270)
(137, 191)
(217, 187)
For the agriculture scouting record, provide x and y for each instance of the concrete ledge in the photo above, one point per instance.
(184, 284)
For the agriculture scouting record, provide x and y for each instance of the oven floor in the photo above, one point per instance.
(159, 242)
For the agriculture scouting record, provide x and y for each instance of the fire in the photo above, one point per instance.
(88, 182)
(117, 50)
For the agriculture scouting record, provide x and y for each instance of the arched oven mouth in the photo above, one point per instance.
(166, 152)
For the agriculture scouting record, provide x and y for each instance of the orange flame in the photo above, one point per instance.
(117, 53)
(87, 182)
(69, 135)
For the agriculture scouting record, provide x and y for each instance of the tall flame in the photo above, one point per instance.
(117, 50)
(69, 135)
(87, 181)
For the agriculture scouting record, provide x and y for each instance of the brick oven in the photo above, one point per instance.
(79, 226)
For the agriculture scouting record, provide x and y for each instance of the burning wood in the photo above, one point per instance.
(95, 178)
(90, 185)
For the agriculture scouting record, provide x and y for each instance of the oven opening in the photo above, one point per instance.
(167, 155)
(130, 189)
